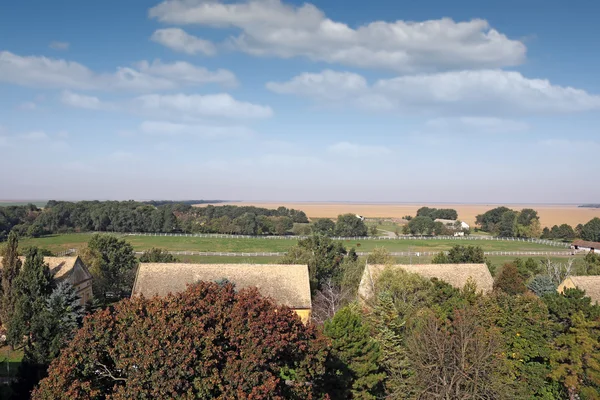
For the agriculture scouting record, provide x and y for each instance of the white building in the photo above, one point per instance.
(450, 223)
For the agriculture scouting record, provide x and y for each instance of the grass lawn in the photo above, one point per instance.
(9, 361)
(57, 243)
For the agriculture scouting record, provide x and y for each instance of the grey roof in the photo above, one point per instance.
(287, 285)
(456, 275)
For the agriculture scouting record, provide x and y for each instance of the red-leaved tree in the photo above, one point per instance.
(207, 342)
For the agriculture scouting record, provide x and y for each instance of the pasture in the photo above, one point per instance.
(58, 243)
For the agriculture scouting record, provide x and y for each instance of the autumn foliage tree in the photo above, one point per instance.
(207, 342)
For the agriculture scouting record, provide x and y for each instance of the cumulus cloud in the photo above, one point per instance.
(197, 106)
(178, 40)
(82, 101)
(487, 92)
(273, 28)
(165, 128)
(358, 150)
(44, 72)
(59, 45)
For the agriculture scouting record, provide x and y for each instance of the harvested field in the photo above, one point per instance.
(549, 214)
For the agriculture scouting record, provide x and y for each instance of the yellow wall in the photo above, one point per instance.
(84, 291)
(304, 315)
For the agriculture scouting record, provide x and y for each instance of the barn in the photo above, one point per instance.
(583, 245)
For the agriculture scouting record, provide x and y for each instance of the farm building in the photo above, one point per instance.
(287, 285)
(583, 245)
(456, 275)
(450, 223)
(590, 284)
(72, 270)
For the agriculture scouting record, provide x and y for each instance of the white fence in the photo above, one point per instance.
(395, 254)
(290, 237)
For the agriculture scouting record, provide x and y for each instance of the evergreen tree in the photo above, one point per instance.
(32, 286)
(509, 280)
(11, 266)
(541, 285)
(155, 255)
(357, 357)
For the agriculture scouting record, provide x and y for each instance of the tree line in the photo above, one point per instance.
(132, 216)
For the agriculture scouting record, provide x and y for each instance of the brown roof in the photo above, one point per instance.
(591, 285)
(584, 243)
(64, 268)
(286, 284)
(456, 275)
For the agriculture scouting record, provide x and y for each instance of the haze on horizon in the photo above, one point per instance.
(432, 102)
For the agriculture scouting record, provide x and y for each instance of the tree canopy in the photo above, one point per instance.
(210, 341)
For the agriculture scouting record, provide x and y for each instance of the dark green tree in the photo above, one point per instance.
(421, 226)
(349, 225)
(490, 220)
(11, 266)
(155, 255)
(461, 255)
(507, 227)
(356, 365)
(113, 265)
(591, 230)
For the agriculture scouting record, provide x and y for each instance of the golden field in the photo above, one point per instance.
(549, 214)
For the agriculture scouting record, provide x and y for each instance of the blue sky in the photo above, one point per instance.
(391, 101)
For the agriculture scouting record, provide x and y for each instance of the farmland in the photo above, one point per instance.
(549, 214)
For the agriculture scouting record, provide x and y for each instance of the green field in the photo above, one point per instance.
(37, 203)
(57, 243)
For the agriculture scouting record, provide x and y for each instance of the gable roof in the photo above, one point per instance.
(287, 285)
(65, 268)
(589, 245)
(456, 275)
(590, 283)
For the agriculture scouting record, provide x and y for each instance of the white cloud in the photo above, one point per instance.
(188, 73)
(38, 71)
(34, 136)
(59, 45)
(328, 85)
(82, 101)
(179, 40)
(358, 150)
(488, 92)
(197, 106)
(476, 125)
(164, 128)
(28, 106)
(272, 28)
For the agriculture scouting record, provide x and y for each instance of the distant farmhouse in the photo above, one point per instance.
(286, 285)
(456, 275)
(590, 284)
(457, 226)
(72, 270)
(583, 245)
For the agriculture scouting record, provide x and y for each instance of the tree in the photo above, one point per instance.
(591, 230)
(457, 358)
(490, 220)
(461, 255)
(380, 255)
(155, 255)
(541, 285)
(11, 266)
(349, 225)
(509, 281)
(207, 342)
(357, 355)
(374, 230)
(507, 227)
(435, 213)
(323, 226)
(112, 263)
(31, 288)
(323, 257)
(328, 301)
(421, 226)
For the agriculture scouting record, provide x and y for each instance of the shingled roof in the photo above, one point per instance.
(287, 285)
(456, 275)
(63, 268)
(590, 284)
(586, 244)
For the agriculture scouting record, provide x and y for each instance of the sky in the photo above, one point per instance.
(378, 101)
